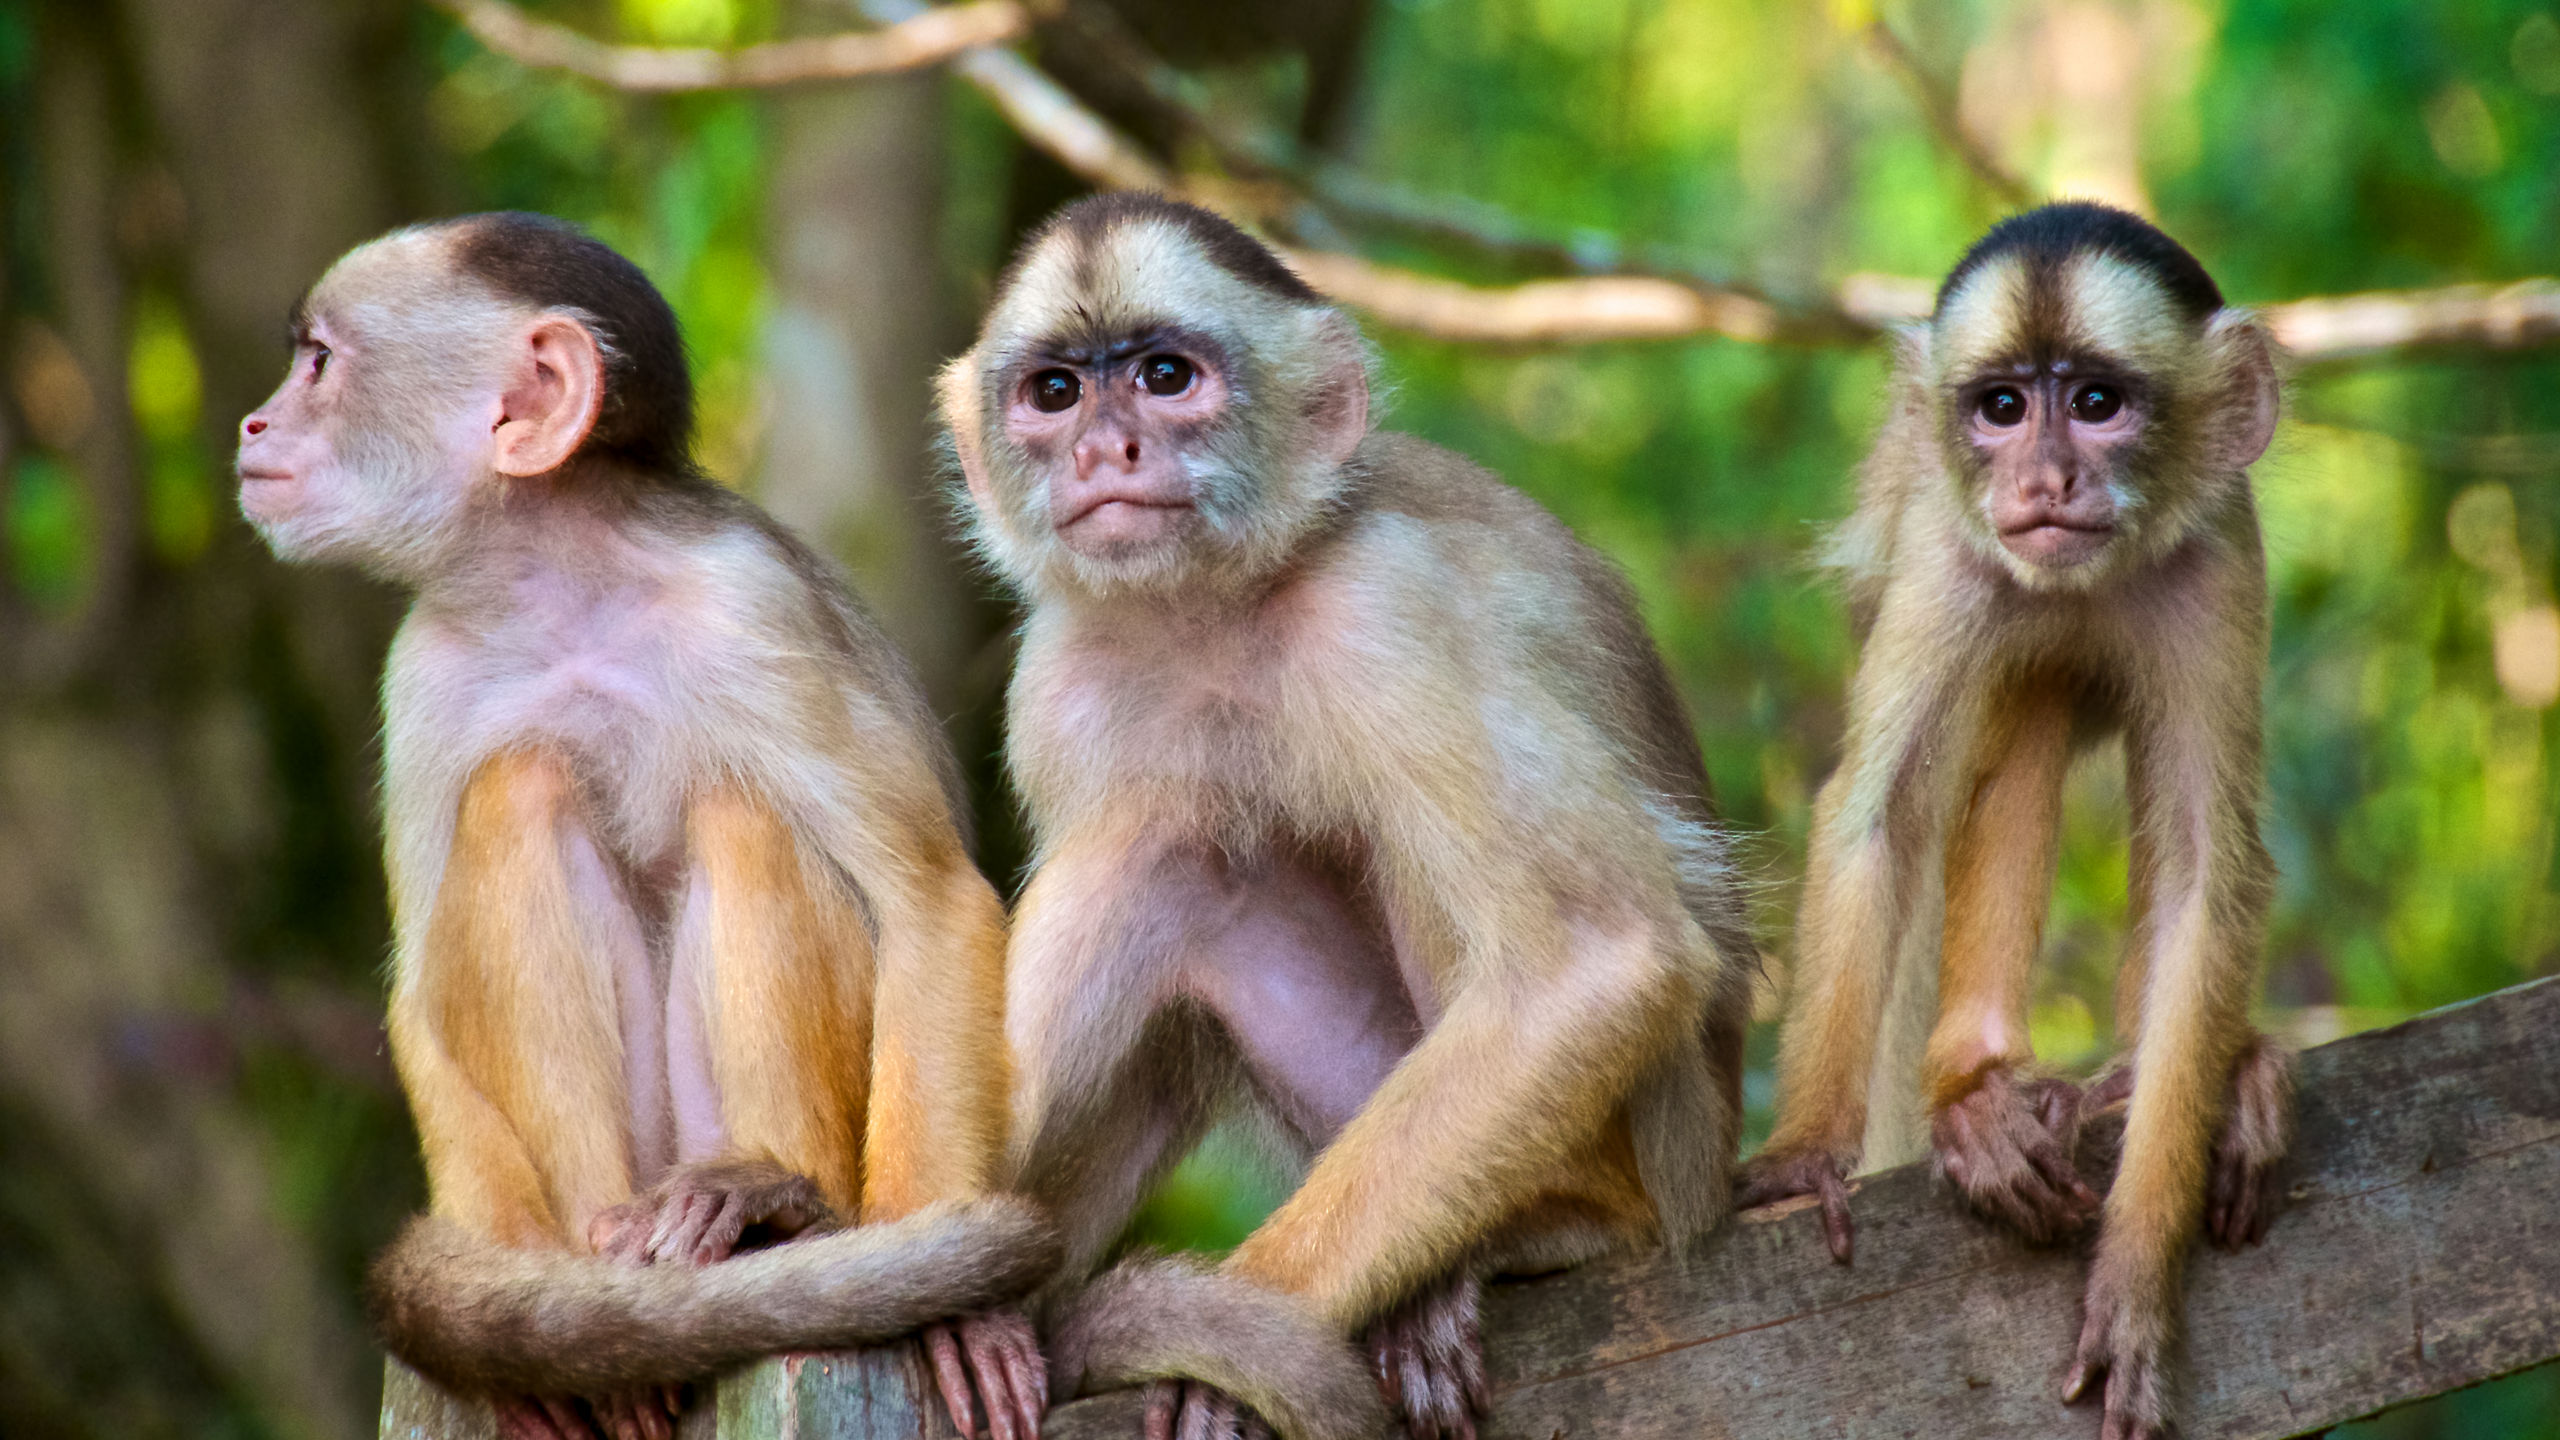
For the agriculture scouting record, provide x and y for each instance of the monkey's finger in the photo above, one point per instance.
(995, 1389)
(1026, 1373)
(1837, 1230)
(713, 1236)
(1164, 1397)
(520, 1417)
(674, 1214)
(943, 1349)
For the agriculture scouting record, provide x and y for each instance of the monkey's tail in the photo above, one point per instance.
(485, 1318)
(1162, 1318)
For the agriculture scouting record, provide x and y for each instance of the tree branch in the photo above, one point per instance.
(932, 37)
(1586, 308)
(2515, 316)
(1937, 102)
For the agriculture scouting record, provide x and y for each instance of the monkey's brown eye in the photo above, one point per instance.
(2096, 404)
(1165, 374)
(1055, 390)
(2004, 407)
(319, 364)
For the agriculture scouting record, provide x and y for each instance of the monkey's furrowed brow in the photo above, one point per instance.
(1096, 355)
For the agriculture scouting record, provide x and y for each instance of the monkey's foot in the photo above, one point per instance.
(2243, 1195)
(1002, 1355)
(645, 1414)
(2124, 1342)
(702, 1213)
(1189, 1410)
(2007, 1145)
(1775, 1175)
(1430, 1361)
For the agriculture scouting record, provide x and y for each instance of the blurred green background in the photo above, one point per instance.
(199, 1138)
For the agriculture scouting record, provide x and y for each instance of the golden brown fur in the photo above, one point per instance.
(2029, 579)
(1364, 806)
(689, 949)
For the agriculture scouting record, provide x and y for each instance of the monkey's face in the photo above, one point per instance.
(2054, 445)
(373, 446)
(1123, 442)
(2078, 403)
(1138, 414)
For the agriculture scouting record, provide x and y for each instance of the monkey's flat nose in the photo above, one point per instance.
(254, 425)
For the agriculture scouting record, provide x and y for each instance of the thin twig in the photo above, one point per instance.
(1938, 106)
(930, 38)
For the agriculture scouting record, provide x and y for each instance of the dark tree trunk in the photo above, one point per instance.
(190, 912)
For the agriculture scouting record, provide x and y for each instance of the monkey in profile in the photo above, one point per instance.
(2054, 542)
(689, 951)
(1364, 811)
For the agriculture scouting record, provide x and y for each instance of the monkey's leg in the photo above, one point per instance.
(2192, 773)
(1878, 816)
(2003, 1137)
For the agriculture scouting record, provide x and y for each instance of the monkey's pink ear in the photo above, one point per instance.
(2252, 390)
(555, 391)
(1338, 407)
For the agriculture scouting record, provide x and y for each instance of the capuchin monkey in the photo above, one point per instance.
(2054, 542)
(1364, 812)
(690, 954)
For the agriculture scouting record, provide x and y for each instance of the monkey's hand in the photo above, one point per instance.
(2007, 1145)
(703, 1213)
(2125, 1327)
(1782, 1174)
(2243, 1195)
(1190, 1410)
(1429, 1356)
(1002, 1352)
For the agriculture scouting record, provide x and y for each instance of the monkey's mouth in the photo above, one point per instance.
(2052, 540)
(1118, 507)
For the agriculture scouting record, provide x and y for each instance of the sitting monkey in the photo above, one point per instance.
(1364, 806)
(689, 949)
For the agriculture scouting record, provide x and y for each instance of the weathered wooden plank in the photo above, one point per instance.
(2421, 1253)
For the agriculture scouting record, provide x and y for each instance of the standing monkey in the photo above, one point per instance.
(2054, 541)
(689, 950)
(1364, 808)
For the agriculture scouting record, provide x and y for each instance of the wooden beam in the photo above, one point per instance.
(2420, 1254)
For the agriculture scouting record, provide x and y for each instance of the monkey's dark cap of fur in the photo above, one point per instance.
(2051, 234)
(1087, 220)
(647, 417)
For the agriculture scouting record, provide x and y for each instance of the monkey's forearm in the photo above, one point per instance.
(1999, 878)
(1483, 1111)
